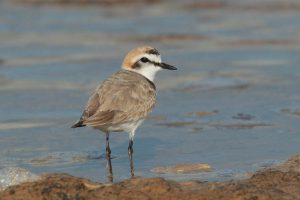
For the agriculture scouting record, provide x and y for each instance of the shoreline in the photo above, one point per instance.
(278, 182)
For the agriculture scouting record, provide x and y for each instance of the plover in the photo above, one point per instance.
(122, 101)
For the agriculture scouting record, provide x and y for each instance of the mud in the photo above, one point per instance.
(241, 125)
(291, 112)
(280, 182)
(232, 5)
(202, 113)
(176, 124)
(243, 116)
(85, 2)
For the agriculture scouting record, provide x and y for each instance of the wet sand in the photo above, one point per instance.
(279, 182)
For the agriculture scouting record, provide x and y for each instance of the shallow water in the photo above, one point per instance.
(233, 103)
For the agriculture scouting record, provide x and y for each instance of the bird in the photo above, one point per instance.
(122, 101)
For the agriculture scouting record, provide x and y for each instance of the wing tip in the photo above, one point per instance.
(78, 124)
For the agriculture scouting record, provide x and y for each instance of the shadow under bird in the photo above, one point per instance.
(123, 100)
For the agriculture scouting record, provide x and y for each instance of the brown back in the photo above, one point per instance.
(125, 96)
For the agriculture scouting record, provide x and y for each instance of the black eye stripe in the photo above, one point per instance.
(155, 63)
(146, 60)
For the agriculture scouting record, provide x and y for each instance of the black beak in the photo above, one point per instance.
(167, 66)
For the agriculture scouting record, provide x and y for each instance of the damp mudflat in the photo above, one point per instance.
(233, 105)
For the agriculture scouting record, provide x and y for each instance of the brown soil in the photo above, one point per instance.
(282, 182)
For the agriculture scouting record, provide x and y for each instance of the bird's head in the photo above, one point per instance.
(145, 61)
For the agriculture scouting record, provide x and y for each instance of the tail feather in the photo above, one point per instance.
(78, 124)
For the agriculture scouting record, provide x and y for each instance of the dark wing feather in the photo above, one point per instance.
(90, 109)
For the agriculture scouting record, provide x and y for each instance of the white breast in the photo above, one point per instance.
(129, 127)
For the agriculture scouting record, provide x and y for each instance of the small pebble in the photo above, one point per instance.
(183, 169)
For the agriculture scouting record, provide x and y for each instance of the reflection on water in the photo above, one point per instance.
(233, 104)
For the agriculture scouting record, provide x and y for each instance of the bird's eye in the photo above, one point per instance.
(144, 59)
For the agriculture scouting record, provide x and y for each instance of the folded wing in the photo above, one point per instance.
(124, 97)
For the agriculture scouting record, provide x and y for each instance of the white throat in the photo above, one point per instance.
(149, 72)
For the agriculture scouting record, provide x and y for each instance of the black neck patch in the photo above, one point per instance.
(151, 83)
(136, 65)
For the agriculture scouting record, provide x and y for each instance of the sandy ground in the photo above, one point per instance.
(280, 182)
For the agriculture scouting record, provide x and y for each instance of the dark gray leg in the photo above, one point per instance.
(108, 158)
(130, 154)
